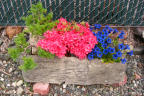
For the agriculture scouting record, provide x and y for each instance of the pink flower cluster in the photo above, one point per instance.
(64, 37)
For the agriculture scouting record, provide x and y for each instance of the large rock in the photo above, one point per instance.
(139, 50)
(33, 41)
(12, 31)
(71, 70)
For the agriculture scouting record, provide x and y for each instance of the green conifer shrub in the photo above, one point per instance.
(37, 22)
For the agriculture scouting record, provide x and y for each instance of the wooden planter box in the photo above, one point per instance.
(71, 70)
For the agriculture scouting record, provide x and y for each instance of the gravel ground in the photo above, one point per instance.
(11, 82)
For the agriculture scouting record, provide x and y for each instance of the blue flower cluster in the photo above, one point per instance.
(102, 48)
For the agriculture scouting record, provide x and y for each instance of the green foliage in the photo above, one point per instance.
(38, 22)
(14, 53)
(21, 42)
(43, 53)
(28, 64)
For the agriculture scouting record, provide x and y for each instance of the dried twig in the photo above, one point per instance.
(27, 48)
(5, 72)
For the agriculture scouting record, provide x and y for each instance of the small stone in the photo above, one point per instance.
(3, 86)
(2, 75)
(20, 82)
(1, 42)
(14, 84)
(8, 84)
(4, 62)
(42, 88)
(135, 85)
(111, 89)
(20, 90)
(2, 79)
(10, 70)
(55, 94)
(1, 62)
(137, 76)
(60, 89)
(64, 85)
(83, 89)
(15, 72)
(10, 92)
(64, 90)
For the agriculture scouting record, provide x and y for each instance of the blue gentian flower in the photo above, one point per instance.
(109, 40)
(107, 27)
(121, 36)
(94, 34)
(102, 41)
(121, 46)
(106, 33)
(119, 53)
(97, 49)
(105, 51)
(95, 46)
(127, 47)
(99, 26)
(99, 39)
(104, 45)
(95, 26)
(115, 56)
(103, 36)
(111, 50)
(94, 53)
(130, 53)
(90, 56)
(115, 30)
(99, 54)
(110, 30)
(99, 33)
(122, 32)
(91, 28)
(104, 30)
(123, 61)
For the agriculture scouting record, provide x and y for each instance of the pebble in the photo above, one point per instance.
(3, 86)
(60, 89)
(111, 89)
(2, 79)
(19, 90)
(20, 82)
(15, 72)
(83, 89)
(64, 85)
(8, 84)
(64, 90)
(4, 62)
(10, 70)
(2, 75)
(10, 92)
(55, 94)
(14, 84)
(1, 62)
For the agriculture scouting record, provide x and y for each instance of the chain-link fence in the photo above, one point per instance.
(121, 12)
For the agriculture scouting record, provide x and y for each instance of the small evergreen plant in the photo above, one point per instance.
(37, 22)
